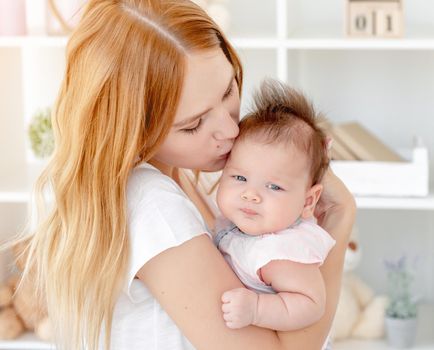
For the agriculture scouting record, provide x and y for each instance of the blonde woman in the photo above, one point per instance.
(123, 257)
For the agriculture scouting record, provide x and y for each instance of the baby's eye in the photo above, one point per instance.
(274, 187)
(239, 178)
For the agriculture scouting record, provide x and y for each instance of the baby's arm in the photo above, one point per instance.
(300, 300)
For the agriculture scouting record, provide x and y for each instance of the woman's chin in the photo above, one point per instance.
(218, 165)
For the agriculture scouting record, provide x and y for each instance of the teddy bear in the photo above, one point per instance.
(360, 313)
(19, 310)
(11, 325)
(217, 10)
(34, 317)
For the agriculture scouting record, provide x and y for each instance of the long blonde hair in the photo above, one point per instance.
(123, 79)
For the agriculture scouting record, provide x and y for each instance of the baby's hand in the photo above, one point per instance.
(239, 307)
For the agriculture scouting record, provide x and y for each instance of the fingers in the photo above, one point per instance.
(226, 308)
(329, 143)
(226, 297)
(227, 317)
(232, 325)
(229, 295)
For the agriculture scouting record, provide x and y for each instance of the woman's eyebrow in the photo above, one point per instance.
(198, 115)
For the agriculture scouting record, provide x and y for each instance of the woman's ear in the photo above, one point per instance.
(312, 197)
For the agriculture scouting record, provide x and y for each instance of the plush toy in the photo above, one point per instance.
(34, 317)
(359, 314)
(19, 310)
(217, 10)
(10, 324)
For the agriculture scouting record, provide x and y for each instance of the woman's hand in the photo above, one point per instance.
(335, 197)
(335, 201)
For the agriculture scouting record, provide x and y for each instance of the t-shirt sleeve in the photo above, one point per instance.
(306, 244)
(160, 216)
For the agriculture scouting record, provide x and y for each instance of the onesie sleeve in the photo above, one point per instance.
(307, 243)
(160, 216)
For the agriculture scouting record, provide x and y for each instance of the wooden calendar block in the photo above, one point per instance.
(360, 19)
(389, 21)
(375, 18)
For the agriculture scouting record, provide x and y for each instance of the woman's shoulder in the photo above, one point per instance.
(146, 181)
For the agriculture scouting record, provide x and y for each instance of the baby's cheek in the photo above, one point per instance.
(225, 201)
(277, 218)
(222, 198)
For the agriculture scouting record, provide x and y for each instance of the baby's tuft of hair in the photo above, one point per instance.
(283, 114)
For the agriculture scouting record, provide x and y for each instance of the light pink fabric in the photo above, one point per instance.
(305, 243)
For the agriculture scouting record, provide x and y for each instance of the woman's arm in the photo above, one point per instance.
(189, 280)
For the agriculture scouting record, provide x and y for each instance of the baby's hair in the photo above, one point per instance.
(283, 114)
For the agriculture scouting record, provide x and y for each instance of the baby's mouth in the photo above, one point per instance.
(249, 211)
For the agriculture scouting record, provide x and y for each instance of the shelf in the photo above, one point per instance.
(295, 43)
(424, 336)
(14, 197)
(33, 41)
(16, 181)
(14, 185)
(412, 203)
(335, 44)
(26, 341)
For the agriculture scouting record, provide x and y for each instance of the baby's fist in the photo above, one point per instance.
(239, 307)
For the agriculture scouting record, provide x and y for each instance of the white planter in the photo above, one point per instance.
(401, 333)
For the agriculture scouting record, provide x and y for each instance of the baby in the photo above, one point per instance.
(267, 194)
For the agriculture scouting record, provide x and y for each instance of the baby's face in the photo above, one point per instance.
(263, 187)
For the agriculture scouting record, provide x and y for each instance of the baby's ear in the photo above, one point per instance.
(312, 197)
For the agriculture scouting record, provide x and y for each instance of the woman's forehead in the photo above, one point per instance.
(207, 77)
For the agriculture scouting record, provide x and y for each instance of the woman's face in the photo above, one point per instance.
(206, 121)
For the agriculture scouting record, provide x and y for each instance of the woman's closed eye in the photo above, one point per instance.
(193, 129)
(275, 187)
(239, 178)
(229, 92)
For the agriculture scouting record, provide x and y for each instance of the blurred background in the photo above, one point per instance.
(368, 62)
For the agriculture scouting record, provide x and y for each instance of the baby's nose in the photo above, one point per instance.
(251, 196)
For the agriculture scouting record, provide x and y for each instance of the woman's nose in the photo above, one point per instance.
(227, 127)
(251, 196)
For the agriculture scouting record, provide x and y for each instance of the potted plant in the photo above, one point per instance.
(41, 134)
(401, 312)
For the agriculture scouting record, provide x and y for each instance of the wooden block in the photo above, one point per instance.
(375, 18)
(360, 19)
(389, 20)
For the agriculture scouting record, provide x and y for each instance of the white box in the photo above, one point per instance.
(365, 178)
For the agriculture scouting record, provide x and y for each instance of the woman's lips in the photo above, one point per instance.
(248, 211)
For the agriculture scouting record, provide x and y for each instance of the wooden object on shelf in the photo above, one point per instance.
(338, 151)
(375, 18)
(362, 143)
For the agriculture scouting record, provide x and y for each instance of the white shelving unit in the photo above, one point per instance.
(27, 341)
(388, 85)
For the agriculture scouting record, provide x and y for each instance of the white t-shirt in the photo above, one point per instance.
(160, 216)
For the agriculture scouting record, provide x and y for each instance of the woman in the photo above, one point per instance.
(151, 86)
